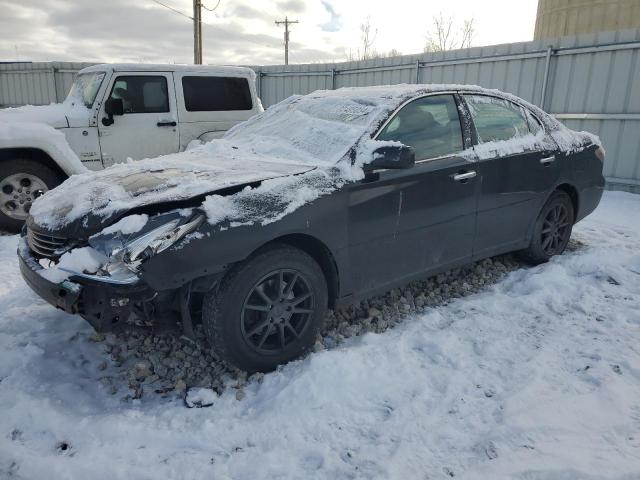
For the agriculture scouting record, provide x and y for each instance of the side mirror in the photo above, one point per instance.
(392, 157)
(113, 106)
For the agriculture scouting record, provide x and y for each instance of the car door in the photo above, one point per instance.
(513, 185)
(148, 127)
(404, 223)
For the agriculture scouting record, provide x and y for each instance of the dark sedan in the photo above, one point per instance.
(322, 200)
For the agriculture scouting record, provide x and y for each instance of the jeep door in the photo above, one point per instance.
(514, 185)
(210, 104)
(406, 222)
(148, 127)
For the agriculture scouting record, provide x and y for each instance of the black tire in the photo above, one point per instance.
(552, 230)
(233, 314)
(10, 170)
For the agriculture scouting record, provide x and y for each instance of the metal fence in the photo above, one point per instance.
(590, 82)
(38, 83)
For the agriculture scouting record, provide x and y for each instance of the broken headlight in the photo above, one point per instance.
(127, 252)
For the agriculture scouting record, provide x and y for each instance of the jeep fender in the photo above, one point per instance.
(40, 136)
(208, 136)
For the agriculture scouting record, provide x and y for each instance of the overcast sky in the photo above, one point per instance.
(241, 31)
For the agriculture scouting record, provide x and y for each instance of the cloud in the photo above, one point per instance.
(292, 6)
(335, 22)
(121, 30)
(238, 32)
(246, 12)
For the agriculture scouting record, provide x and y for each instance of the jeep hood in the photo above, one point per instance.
(53, 115)
(57, 115)
(86, 203)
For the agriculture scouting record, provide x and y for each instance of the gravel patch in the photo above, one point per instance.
(167, 364)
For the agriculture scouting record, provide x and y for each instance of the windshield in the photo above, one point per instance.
(317, 129)
(85, 88)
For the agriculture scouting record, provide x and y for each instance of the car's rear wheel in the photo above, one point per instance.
(552, 229)
(268, 310)
(21, 182)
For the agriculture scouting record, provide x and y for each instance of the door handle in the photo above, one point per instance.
(166, 124)
(461, 177)
(548, 160)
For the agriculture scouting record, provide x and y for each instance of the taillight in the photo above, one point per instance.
(600, 153)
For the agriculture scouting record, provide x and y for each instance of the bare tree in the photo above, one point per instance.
(467, 33)
(394, 52)
(366, 51)
(445, 36)
(367, 38)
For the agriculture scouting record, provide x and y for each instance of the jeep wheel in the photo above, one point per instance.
(21, 182)
(267, 311)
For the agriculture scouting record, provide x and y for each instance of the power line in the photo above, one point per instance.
(197, 24)
(187, 16)
(173, 9)
(210, 9)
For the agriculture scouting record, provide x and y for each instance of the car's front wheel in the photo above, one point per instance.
(552, 230)
(268, 310)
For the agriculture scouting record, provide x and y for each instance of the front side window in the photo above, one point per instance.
(496, 119)
(429, 124)
(85, 88)
(216, 94)
(534, 124)
(142, 94)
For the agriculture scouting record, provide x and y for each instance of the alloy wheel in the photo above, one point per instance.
(555, 229)
(17, 193)
(277, 311)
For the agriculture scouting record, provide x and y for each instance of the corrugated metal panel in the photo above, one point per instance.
(587, 74)
(37, 83)
(570, 17)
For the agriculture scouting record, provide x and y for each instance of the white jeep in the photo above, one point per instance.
(113, 113)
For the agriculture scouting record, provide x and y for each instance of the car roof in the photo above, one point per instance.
(395, 95)
(169, 67)
(407, 90)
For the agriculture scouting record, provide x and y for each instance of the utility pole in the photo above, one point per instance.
(286, 22)
(197, 32)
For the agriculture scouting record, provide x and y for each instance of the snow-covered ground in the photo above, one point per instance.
(537, 377)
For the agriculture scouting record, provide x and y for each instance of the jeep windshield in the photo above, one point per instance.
(85, 88)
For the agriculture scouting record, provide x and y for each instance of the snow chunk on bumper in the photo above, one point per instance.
(84, 259)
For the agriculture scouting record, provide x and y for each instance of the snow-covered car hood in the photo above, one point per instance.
(101, 198)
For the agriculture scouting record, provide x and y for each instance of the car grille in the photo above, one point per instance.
(47, 246)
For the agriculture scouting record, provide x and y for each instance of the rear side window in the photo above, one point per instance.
(216, 94)
(496, 119)
(430, 125)
(142, 94)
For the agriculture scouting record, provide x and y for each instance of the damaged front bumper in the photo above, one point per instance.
(63, 295)
(106, 306)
